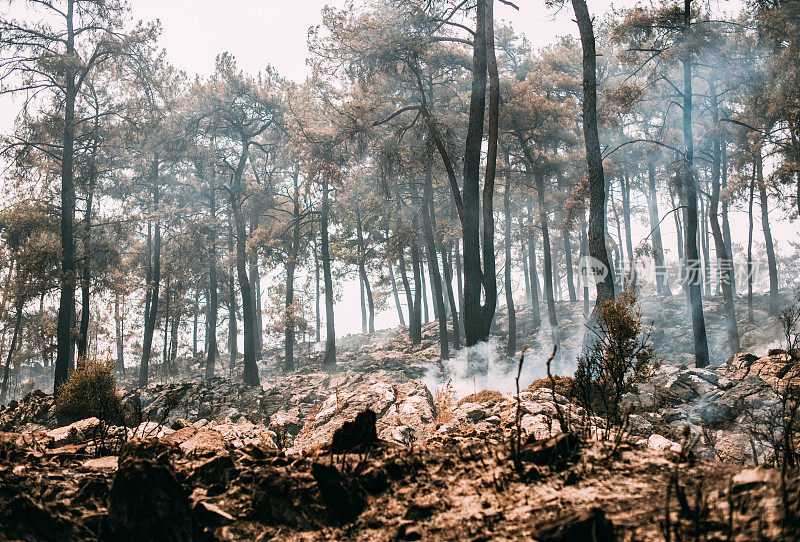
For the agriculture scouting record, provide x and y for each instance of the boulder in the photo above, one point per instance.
(205, 441)
(146, 502)
(73, 433)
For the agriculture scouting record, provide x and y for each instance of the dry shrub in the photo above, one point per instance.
(90, 391)
(444, 403)
(483, 396)
(565, 385)
(620, 355)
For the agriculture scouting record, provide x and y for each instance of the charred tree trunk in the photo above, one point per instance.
(66, 305)
(424, 289)
(329, 361)
(750, 315)
(233, 329)
(433, 264)
(726, 270)
(771, 261)
(86, 273)
(165, 345)
(317, 312)
(548, 260)
(195, 321)
(362, 269)
(250, 369)
(726, 228)
(447, 264)
(695, 293)
(119, 332)
(535, 289)
(416, 319)
(625, 189)
(255, 288)
(151, 312)
(662, 285)
(524, 251)
(568, 261)
(396, 293)
(511, 347)
(213, 300)
(597, 187)
(401, 262)
(13, 348)
(291, 265)
(584, 271)
(175, 328)
(479, 277)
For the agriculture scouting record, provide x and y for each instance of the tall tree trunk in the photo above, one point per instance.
(67, 301)
(548, 260)
(396, 293)
(175, 328)
(329, 361)
(433, 264)
(167, 314)
(447, 265)
(584, 271)
(419, 286)
(401, 262)
(568, 260)
(535, 290)
(750, 315)
(317, 312)
(255, 288)
(119, 332)
(726, 228)
(690, 188)
(511, 347)
(291, 264)
(12, 349)
(195, 321)
(459, 284)
(724, 263)
(662, 284)
(362, 269)
(233, 330)
(250, 369)
(479, 277)
(362, 300)
(704, 245)
(525, 275)
(213, 300)
(153, 285)
(597, 186)
(424, 289)
(625, 190)
(771, 261)
(86, 274)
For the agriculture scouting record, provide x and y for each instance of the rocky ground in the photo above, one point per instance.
(217, 460)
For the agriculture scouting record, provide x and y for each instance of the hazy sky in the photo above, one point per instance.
(258, 32)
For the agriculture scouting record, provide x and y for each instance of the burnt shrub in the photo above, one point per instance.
(618, 355)
(90, 391)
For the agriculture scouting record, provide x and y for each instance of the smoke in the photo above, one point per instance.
(486, 366)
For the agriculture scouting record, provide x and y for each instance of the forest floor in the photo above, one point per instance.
(216, 460)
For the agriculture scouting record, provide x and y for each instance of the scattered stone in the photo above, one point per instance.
(355, 435)
(109, 462)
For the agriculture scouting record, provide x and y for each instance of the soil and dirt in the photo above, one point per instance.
(374, 452)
